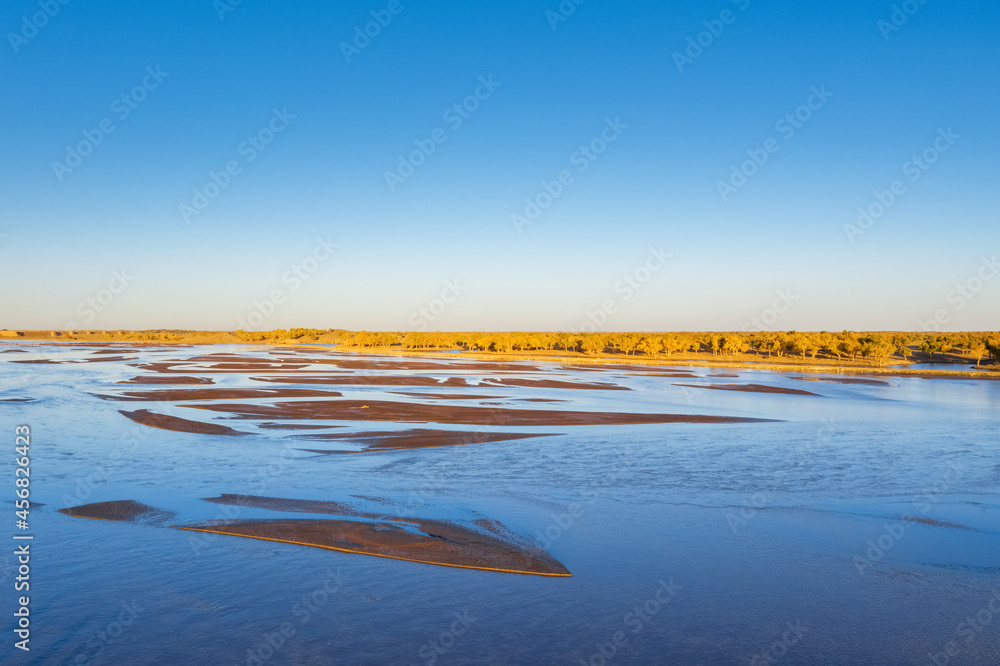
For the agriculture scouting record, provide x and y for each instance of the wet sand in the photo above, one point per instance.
(365, 364)
(415, 439)
(374, 410)
(448, 396)
(167, 379)
(120, 510)
(843, 380)
(685, 375)
(103, 359)
(290, 505)
(437, 543)
(750, 388)
(294, 426)
(180, 395)
(457, 382)
(367, 380)
(421, 540)
(552, 384)
(924, 520)
(169, 367)
(176, 424)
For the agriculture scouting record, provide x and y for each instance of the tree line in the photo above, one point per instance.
(876, 348)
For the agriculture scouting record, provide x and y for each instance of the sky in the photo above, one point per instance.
(406, 165)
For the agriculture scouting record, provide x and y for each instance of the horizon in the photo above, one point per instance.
(642, 168)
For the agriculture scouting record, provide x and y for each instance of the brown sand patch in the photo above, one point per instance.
(749, 388)
(17, 400)
(357, 364)
(433, 542)
(685, 375)
(162, 379)
(413, 539)
(618, 367)
(843, 380)
(164, 422)
(448, 396)
(290, 505)
(375, 410)
(924, 520)
(103, 359)
(367, 380)
(123, 510)
(181, 367)
(378, 500)
(538, 400)
(179, 395)
(415, 439)
(294, 426)
(551, 384)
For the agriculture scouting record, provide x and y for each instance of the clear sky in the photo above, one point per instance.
(641, 109)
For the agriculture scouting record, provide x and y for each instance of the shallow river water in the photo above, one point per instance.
(860, 526)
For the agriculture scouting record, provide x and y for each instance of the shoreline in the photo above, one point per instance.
(811, 366)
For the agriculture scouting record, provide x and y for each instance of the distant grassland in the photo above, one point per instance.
(873, 348)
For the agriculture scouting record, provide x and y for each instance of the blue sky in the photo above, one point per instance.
(888, 93)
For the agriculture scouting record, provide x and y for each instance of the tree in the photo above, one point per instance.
(593, 344)
(672, 343)
(975, 345)
(714, 342)
(651, 345)
(931, 344)
(796, 343)
(628, 343)
(993, 347)
(734, 343)
(849, 344)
